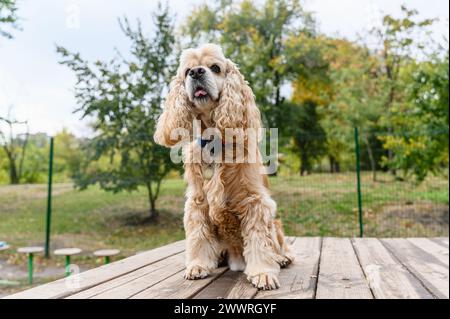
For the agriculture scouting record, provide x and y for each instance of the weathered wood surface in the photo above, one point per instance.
(425, 266)
(340, 274)
(387, 278)
(298, 281)
(323, 268)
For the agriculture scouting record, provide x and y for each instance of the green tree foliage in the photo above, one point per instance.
(68, 155)
(420, 143)
(395, 92)
(273, 43)
(308, 136)
(399, 40)
(377, 90)
(8, 17)
(124, 98)
(356, 99)
(260, 39)
(35, 164)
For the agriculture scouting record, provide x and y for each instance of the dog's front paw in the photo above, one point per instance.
(195, 272)
(265, 281)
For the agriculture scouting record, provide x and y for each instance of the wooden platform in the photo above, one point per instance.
(324, 268)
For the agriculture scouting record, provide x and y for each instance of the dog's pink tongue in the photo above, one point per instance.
(200, 93)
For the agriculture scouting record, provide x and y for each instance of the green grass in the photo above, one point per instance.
(315, 205)
(92, 218)
(326, 205)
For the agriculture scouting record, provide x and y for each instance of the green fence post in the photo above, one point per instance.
(30, 268)
(358, 183)
(49, 201)
(67, 265)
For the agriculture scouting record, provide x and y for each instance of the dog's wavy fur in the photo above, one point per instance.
(232, 212)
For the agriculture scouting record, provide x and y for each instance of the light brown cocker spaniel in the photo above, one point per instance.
(229, 211)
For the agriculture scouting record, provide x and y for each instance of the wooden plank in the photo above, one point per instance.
(298, 280)
(242, 289)
(340, 275)
(232, 285)
(432, 248)
(174, 267)
(441, 241)
(176, 287)
(93, 277)
(426, 267)
(125, 286)
(387, 278)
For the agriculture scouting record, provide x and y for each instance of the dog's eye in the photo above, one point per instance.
(186, 72)
(215, 68)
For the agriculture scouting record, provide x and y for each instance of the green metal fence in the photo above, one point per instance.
(356, 200)
(339, 196)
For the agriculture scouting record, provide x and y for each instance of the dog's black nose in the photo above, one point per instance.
(197, 73)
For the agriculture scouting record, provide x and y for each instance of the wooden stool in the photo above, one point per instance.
(106, 253)
(30, 251)
(67, 252)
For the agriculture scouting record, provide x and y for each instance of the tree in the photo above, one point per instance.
(68, 155)
(14, 147)
(124, 97)
(356, 99)
(273, 43)
(399, 40)
(421, 139)
(8, 17)
(259, 38)
(346, 92)
(35, 165)
(309, 138)
(311, 92)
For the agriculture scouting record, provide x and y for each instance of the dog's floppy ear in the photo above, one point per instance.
(176, 113)
(237, 108)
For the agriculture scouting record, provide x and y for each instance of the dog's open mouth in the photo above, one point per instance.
(200, 92)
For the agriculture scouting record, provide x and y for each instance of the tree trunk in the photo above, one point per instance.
(335, 167)
(304, 166)
(303, 171)
(153, 211)
(371, 159)
(13, 175)
(391, 98)
(391, 155)
(331, 159)
(152, 201)
(22, 157)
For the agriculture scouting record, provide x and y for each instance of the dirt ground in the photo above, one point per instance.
(14, 278)
(428, 219)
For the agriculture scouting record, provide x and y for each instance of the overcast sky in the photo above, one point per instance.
(41, 90)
